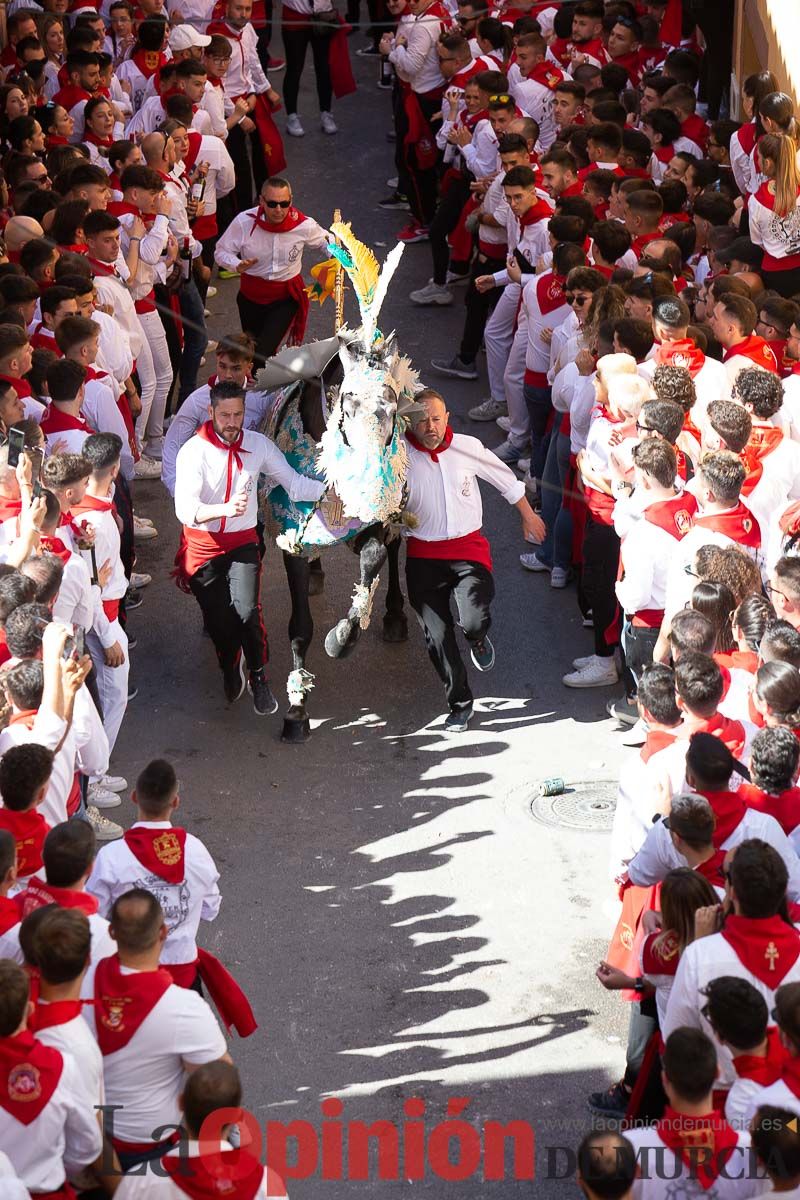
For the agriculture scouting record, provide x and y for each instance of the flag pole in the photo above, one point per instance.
(338, 287)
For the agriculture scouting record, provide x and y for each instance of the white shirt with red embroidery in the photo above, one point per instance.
(778, 236)
(50, 731)
(196, 898)
(535, 99)
(279, 255)
(191, 415)
(545, 308)
(645, 552)
(146, 1076)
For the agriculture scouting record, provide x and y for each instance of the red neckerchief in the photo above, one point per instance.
(120, 208)
(766, 1068)
(233, 450)
(244, 1179)
(38, 894)
(690, 1139)
(657, 739)
(743, 660)
(113, 179)
(96, 141)
(9, 914)
(440, 449)
(470, 120)
(631, 64)
(10, 508)
(675, 516)
(93, 504)
(739, 525)
(763, 440)
(29, 1074)
(292, 219)
(547, 75)
(660, 953)
(785, 808)
(215, 81)
(20, 386)
(161, 851)
(729, 809)
(101, 268)
(727, 730)
(54, 545)
(56, 420)
(756, 349)
(195, 142)
(550, 292)
(638, 244)
(711, 869)
(71, 95)
(224, 30)
(55, 139)
(538, 211)
(59, 1012)
(67, 522)
(149, 61)
(28, 829)
(122, 1002)
(766, 946)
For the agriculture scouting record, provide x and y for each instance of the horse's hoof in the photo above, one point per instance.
(342, 638)
(295, 728)
(395, 628)
(316, 583)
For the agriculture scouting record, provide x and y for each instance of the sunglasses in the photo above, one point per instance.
(773, 591)
(573, 299)
(276, 203)
(501, 98)
(645, 429)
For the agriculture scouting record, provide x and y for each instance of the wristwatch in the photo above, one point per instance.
(639, 984)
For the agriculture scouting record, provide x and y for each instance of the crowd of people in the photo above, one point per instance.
(630, 259)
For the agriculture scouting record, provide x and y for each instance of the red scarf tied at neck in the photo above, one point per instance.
(440, 449)
(766, 946)
(29, 1074)
(691, 1138)
(292, 219)
(234, 451)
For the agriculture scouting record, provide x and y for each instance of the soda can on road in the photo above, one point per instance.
(552, 787)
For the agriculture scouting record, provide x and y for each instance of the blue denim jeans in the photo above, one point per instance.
(540, 407)
(195, 338)
(556, 549)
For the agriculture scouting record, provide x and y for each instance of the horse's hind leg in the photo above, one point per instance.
(316, 578)
(343, 637)
(296, 726)
(395, 624)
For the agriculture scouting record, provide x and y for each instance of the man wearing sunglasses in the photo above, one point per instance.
(264, 246)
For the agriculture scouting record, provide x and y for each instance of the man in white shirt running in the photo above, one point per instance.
(448, 556)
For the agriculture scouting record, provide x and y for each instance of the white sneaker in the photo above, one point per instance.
(531, 486)
(100, 797)
(488, 410)
(504, 423)
(636, 735)
(559, 578)
(147, 468)
(113, 783)
(524, 465)
(532, 563)
(142, 532)
(601, 673)
(294, 126)
(456, 277)
(144, 521)
(585, 661)
(432, 293)
(211, 292)
(393, 183)
(140, 579)
(104, 830)
(327, 122)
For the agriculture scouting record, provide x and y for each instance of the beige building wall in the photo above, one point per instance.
(766, 37)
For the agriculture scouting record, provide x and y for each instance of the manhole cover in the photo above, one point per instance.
(587, 805)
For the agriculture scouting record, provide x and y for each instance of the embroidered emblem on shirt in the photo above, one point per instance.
(772, 955)
(113, 1012)
(23, 1083)
(167, 849)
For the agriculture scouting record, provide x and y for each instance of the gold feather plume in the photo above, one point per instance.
(364, 272)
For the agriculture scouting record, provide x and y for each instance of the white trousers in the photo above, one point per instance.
(155, 376)
(513, 380)
(498, 336)
(112, 682)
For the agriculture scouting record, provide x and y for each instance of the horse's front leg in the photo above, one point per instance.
(395, 624)
(343, 637)
(296, 725)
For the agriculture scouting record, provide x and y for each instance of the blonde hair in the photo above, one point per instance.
(781, 149)
(615, 364)
(627, 393)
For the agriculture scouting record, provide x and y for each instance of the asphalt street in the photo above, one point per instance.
(403, 924)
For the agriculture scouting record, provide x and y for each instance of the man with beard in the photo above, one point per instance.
(218, 559)
(448, 556)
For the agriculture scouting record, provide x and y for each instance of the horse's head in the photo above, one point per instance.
(368, 395)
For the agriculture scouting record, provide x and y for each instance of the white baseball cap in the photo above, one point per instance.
(183, 37)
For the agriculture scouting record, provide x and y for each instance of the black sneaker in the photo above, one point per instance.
(264, 702)
(454, 368)
(458, 720)
(395, 200)
(133, 642)
(623, 711)
(133, 598)
(133, 691)
(613, 1101)
(482, 654)
(234, 680)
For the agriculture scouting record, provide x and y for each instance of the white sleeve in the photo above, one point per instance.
(198, 1037)
(93, 751)
(228, 252)
(154, 242)
(683, 1007)
(83, 1140)
(225, 180)
(412, 58)
(183, 425)
(254, 68)
(655, 859)
(188, 485)
(499, 475)
(741, 165)
(760, 219)
(99, 886)
(212, 899)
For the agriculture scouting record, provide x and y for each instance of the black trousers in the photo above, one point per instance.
(422, 181)
(266, 323)
(479, 307)
(444, 222)
(248, 158)
(638, 644)
(716, 19)
(600, 562)
(228, 591)
(432, 584)
(296, 40)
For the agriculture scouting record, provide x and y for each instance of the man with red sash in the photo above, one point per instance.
(55, 303)
(692, 1146)
(205, 1164)
(47, 1122)
(532, 81)
(64, 426)
(675, 348)
(24, 778)
(218, 559)
(82, 69)
(649, 521)
(147, 58)
(176, 867)
(739, 1016)
(67, 855)
(774, 760)
(586, 43)
(771, 458)
(448, 556)
(754, 943)
(149, 1031)
(264, 246)
(413, 52)
(784, 1092)
(733, 321)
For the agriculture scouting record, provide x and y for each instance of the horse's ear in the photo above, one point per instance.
(389, 347)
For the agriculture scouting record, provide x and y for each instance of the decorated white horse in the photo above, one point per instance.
(339, 409)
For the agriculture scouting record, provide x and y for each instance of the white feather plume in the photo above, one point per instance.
(387, 271)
